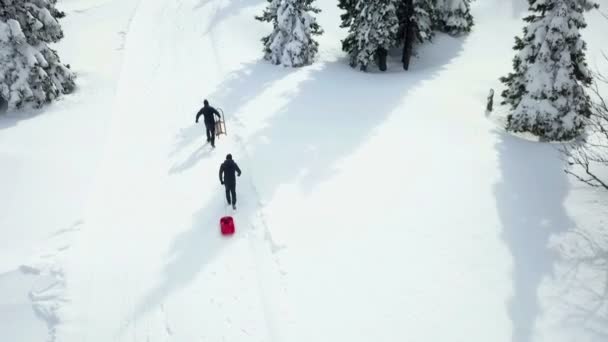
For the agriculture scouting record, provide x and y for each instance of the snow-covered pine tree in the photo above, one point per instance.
(453, 16)
(424, 17)
(374, 29)
(291, 42)
(546, 90)
(348, 6)
(30, 71)
(347, 18)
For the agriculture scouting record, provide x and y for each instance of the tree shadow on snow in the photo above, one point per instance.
(321, 119)
(246, 85)
(586, 281)
(241, 87)
(10, 119)
(327, 112)
(328, 116)
(530, 202)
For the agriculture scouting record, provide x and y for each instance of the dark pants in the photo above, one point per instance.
(210, 127)
(230, 193)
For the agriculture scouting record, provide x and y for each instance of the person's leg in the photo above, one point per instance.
(208, 131)
(228, 194)
(212, 128)
(233, 192)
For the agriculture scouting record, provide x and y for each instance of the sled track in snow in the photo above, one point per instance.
(263, 250)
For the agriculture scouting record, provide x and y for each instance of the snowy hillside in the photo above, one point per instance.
(372, 206)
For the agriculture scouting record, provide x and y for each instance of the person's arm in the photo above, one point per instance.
(216, 113)
(198, 115)
(221, 172)
(237, 169)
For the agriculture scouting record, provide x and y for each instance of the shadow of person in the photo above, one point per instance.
(191, 160)
(187, 136)
(530, 202)
(189, 254)
(193, 250)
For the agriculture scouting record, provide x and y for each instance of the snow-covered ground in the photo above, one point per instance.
(49, 159)
(372, 207)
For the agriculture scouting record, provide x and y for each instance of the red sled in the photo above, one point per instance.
(227, 225)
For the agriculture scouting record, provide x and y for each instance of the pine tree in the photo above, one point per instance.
(424, 19)
(454, 16)
(348, 6)
(30, 71)
(291, 43)
(373, 30)
(546, 90)
(347, 18)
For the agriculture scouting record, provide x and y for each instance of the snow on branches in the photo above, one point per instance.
(291, 42)
(30, 71)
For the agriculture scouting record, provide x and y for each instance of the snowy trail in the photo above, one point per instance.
(152, 223)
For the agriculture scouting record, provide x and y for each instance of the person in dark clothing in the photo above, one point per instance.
(207, 112)
(228, 178)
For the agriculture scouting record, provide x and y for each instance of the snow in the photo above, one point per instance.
(372, 206)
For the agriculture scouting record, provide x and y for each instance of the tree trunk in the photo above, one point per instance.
(381, 53)
(409, 34)
(490, 103)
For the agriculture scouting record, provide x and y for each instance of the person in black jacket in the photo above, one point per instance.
(207, 112)
(228, 178)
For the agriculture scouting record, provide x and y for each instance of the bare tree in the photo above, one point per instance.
(588, 156)
(588, 162)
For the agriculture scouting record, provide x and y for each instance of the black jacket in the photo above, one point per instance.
(228, 170)
(207, 112)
